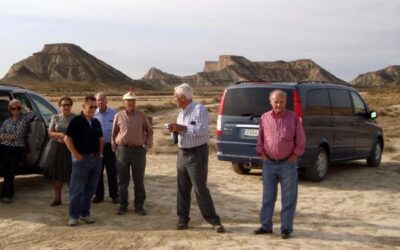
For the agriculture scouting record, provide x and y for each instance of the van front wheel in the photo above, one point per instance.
(318, 170)
(239, 168)
(374, 160)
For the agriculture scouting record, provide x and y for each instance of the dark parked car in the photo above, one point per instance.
(37, 132)
(338, 123)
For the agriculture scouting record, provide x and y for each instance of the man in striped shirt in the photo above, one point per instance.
(192, 163)
(281, 140)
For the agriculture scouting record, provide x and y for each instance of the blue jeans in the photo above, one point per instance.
(286, 174)
(84, 179)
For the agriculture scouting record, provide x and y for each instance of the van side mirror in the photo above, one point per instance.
(373, 115)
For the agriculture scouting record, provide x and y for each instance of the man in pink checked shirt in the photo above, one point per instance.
(281, 140)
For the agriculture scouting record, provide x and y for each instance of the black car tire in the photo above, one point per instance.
(239, 169)
(374, 160)
(318, 170)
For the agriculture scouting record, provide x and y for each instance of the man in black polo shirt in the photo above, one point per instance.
(84, 138)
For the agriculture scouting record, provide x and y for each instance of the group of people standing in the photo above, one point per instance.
(82, 146)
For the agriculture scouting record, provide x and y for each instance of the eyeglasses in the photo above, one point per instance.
(17, 108)
(66, 105)
(93, 107)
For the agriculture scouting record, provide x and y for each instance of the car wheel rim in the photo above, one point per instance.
(322, 164)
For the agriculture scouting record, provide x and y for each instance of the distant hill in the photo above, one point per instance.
(69, 64)
(229, 69)
(387, 76)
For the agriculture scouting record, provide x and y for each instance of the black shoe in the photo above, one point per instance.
(219, 228)
(285, 234)
(97, 199)
(122, 210)
(115, 200)
(261, 230)
(140, 211)
(182, 226)
(55, 203)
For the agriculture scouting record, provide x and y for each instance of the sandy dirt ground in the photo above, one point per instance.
(356, 207)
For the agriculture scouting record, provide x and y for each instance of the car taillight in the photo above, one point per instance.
(220, 111)
(297, 104)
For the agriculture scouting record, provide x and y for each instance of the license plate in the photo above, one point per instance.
(250, 132)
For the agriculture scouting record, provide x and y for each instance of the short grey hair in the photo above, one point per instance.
(101, 94)
(184, 90)
(278, 92)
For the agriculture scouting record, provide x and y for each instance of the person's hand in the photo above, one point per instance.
(8, 137)
(293, 158)
(263, 156)
(113, 147)
(78, 157)
(175, 127)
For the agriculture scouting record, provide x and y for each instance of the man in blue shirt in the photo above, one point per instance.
(105, 115)
(192, 164)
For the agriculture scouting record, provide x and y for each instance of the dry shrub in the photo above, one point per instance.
(167, 150)
(165, 142)
(396, 157)
(212, 147)
(389, 149)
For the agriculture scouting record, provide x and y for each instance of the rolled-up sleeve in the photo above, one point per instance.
(300, 141)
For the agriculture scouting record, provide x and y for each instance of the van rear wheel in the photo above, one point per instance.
(318, 170)
(239, 168)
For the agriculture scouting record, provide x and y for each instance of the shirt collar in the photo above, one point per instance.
(105, 111)
(189, 107)
(279, 115)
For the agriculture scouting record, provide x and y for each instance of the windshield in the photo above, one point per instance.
(251, 101)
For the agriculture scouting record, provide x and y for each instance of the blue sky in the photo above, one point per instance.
(346, 37)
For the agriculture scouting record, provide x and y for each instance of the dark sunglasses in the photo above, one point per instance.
(17, 108)
(93, 107)
(66, 105)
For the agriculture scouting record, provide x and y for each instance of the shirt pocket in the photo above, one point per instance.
(288, 132)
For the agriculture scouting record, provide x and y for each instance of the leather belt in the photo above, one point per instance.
(90, 155)
(278, 160)
(132, 146)
(188, 150)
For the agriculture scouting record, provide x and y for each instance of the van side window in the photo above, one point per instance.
(318, 102)
(359, 106)
(341, 104)
(45, 109)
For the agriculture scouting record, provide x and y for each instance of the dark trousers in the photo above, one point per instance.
(109, 163)
(192, 167)
(10, 160)
(131, 158)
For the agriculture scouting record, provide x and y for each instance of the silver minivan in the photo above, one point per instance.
(338, 124)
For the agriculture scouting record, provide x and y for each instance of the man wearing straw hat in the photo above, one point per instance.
(132, 136)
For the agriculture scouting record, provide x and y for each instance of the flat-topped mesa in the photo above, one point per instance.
(66, 63)
(229, 69)
(223, 62)
(387, 76)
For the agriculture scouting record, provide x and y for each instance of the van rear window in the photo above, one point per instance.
(251, 101)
